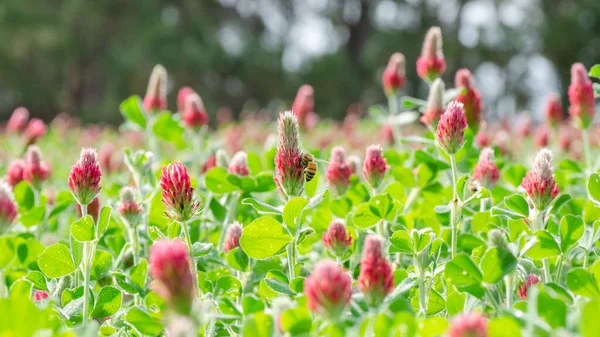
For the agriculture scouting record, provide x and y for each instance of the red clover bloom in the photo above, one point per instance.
(336, 239)
(376, 279)
(338, 171)
(581, 97)
(451, 128)
(539, 181)
(394, 75)
(470, 98)
(328, 289)
(431, 64)
(177, 194)
(84, 180)
(375, 166)
(289, 172)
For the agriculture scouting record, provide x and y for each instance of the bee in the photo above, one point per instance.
(309, 163)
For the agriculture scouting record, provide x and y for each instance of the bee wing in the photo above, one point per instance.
(321, 161)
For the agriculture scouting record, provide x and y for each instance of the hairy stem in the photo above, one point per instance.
(291, 256)
(455, 209)
(193, 267)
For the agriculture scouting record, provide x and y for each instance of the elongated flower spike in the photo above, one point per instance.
(375, 166)
(84, 180)
(15, 171)
(239, 164)
(170, 268)
(18, 120)
(182, 97)
(36, 170)
(36, 129)
(471, 324)
(177, 193)
(581, 97)
(539, 181)
(431, 64)
(435, 104)
(289, 172)
(541, 138)
(194, 114)
(486, 172)
(8, 207)
(156, 95)
(336, 239)
(304, 104)
(232, 239)
(376, 279)
(532, 279)
(328, 290)
(451, 128)
(394, 75)
(470, 98)
(553, 110)
(128, 207)
(338, 171)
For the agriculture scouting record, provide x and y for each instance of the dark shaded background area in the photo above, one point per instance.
(84, 57)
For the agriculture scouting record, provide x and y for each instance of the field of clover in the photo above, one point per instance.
(420, 219)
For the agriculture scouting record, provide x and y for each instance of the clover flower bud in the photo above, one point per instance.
(435, 104)
(470, 98)
(451, 128)
(289, 172)
(394, 75)
(376, 279)
(337, 240)
(431, 64)
(338, 171)
(232, 239)
(539, 181)
(328, 289)
(156, 95)
(523, 288)
(375, 166)
(471, 324)
(581, 97)
(84, 179)
(177, 193)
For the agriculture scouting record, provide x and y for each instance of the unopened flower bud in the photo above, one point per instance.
(194, 114)
(36, 129)
(239, 164)
(386, 134)
(289, 172)
(170, 268)
(539, 181)
(211, 162)
(182, 96)
(451, 128)
(394, 75)
(581, 97)
(36, 170)
(328, 289)
(470, 98)
(40, 295)
(232, 239)
(18, 120)
(338, 171)
(14, 173)
(431, 64)
(84, 180)
(541, 138)
(8, 207)
(486, 172)
(156, 95)
(496, 238)
(435, 103)
(553, 110)
(375, 166)
(304, 103)
(128, 207)
(177, 193)
(336, 239)
(531, 280)
(471, 324)
(376, 279)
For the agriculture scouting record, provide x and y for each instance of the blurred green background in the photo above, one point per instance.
(84, 57)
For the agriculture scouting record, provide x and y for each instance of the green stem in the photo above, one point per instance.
(492, 299)
(587, 152)
(559, 267)
(393, 111)
(133, 239)
(291, 256)
(546, 266)
(88, 255)
(585, 258)
(381, 228)
(231, 212)
(508, 280)
(410, 200)
(422, 293)
(455, 210)
(193, 267)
